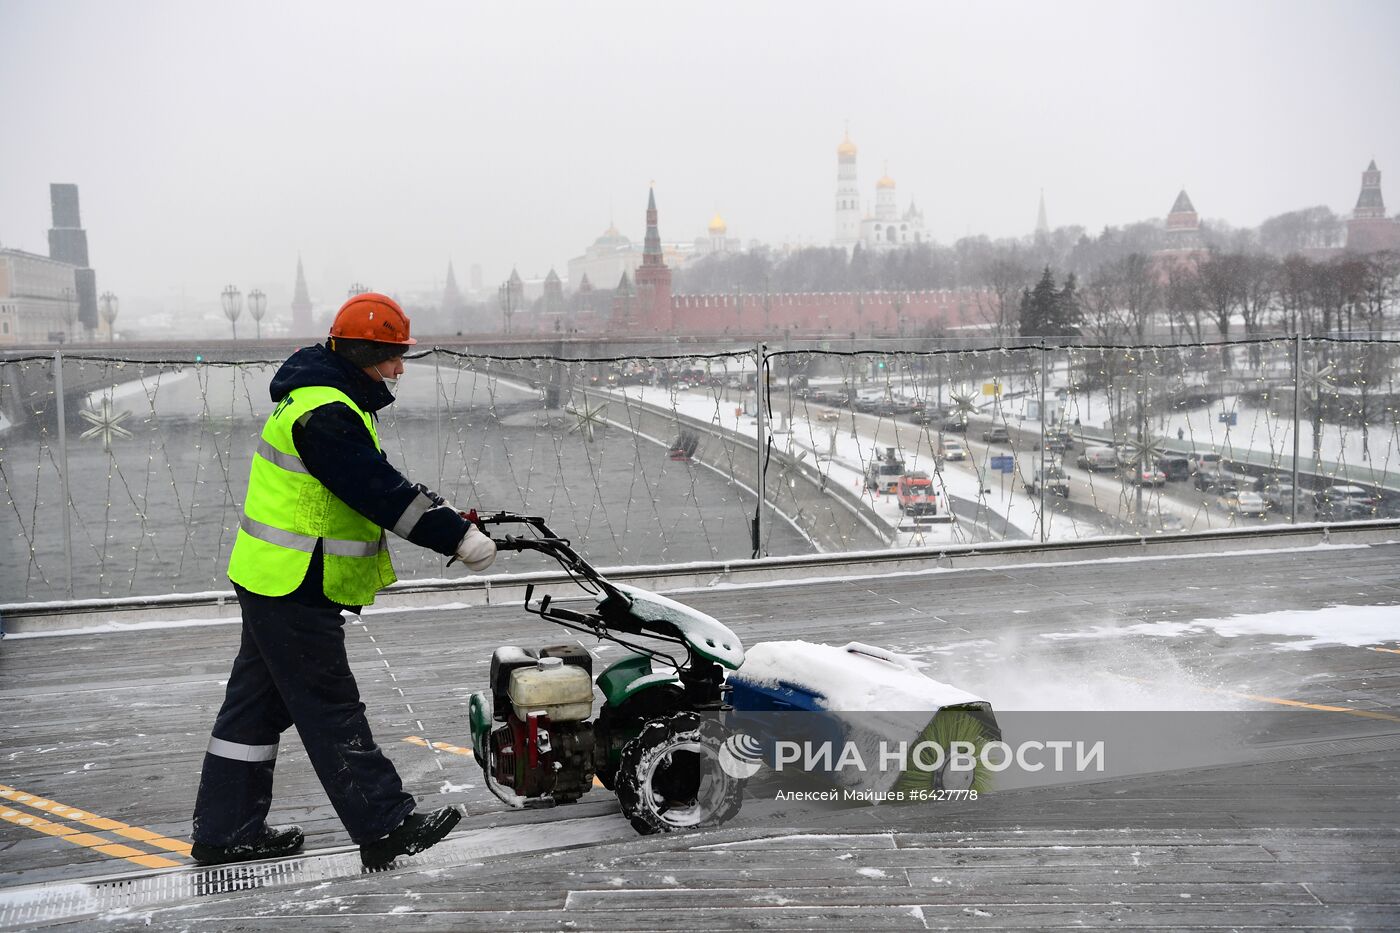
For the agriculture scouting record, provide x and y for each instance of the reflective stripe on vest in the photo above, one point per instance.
(307, 543)
(287, 511)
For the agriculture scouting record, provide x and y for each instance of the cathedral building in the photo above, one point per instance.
(887, 227)
(716, 239)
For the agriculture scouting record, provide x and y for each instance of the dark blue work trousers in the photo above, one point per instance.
(292, 670)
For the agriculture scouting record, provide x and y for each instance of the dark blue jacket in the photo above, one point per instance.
(336, 449)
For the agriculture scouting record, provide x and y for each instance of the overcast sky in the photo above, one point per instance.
(213, 142)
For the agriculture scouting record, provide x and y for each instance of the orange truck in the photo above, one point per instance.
(916, 494)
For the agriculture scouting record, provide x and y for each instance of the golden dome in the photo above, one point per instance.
(717, 225)
(885, 182)
(847, 148)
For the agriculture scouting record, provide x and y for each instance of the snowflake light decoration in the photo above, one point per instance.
(588, 418)
(106, 423)
(1317, 380)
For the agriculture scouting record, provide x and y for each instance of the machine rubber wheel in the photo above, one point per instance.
(670, 777)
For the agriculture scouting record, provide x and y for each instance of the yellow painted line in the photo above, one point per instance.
(440, 746)
(455, 749)
(65, 812)
(1280, 701)
(86, 840)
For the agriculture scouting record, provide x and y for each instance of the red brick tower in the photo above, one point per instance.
(1369, 230)
(653, 278)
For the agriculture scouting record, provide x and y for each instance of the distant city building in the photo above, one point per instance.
(717, 240)
(68, 244)
(475, 279)
(302, 325)
(1042, 224)
(552, 300)
(452, 301)
(38, 299)
(1369, 230)
(606, 259)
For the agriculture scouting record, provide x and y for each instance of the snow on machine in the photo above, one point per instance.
(661, 738)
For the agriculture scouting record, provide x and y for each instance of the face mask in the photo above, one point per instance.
(390, 383)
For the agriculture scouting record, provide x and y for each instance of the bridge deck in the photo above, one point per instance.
(1305, 834)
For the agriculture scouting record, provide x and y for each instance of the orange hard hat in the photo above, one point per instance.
(372, 316)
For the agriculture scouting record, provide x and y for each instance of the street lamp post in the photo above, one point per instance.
(257, 306)
(233, 307)
(356, 288)
(108, 305)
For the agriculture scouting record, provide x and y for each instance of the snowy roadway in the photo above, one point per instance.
(988, 505)
(1292, 823)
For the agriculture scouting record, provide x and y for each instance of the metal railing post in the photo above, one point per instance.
(437, 416)
(1297, 420)
(63, 467)
(1040, 487)
(759, 483)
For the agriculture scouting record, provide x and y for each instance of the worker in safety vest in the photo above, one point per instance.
(310, 545)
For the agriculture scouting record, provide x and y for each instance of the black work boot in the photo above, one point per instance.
(419, 831)
(273, 843)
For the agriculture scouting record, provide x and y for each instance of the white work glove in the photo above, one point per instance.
(476, 550)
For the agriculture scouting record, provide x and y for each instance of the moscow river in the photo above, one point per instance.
(157, 513)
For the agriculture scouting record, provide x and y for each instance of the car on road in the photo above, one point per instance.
(1175, 468)
(1098, 458)
(996, 434)
(1244, 502)
(1140, 475)
(1278, 496)
(1055, 479)
(829, 414)
(1204, 460)
(1343, 504)
(1058, 440)
(950, 448)
(954, 425)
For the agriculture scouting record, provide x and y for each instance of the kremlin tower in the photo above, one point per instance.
(653, 279)
(847, 195)
(301, 307)
(1369, 230)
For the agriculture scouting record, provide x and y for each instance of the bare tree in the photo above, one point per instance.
(1221, 277)
(1258, 287)
(1004, 276)
(1184, 302)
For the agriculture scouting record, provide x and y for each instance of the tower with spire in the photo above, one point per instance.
(452, 303)
(1042, 225)
(302, 325)
(847, 195)
(653, 279)
(1369, 230)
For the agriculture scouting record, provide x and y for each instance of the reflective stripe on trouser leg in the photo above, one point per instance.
(303, 648)
(240, 752)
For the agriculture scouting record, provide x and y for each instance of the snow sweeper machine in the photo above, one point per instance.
(680, 726)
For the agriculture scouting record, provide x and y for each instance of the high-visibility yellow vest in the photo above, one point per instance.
(287, 510)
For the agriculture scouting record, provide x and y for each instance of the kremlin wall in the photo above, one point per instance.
(643, 303)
